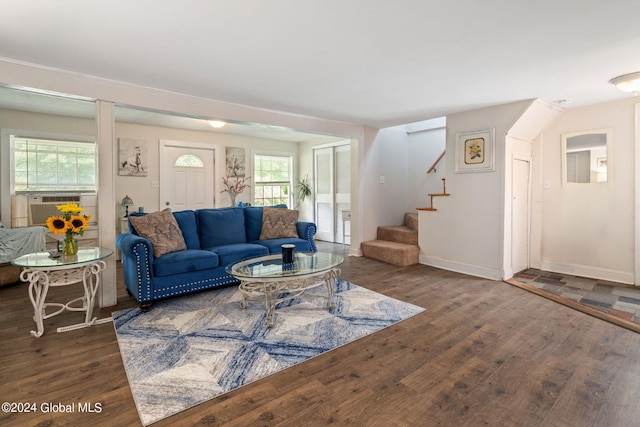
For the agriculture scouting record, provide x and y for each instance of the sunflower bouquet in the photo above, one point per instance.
(71, 222)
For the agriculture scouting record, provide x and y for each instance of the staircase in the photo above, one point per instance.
(397, 244)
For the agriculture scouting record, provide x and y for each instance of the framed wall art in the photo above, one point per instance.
(236, 162)
(132, 157)
(475, 151)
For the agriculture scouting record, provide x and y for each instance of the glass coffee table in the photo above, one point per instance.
(43, 270)
(267, 279)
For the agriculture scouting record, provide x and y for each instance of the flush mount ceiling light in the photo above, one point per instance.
(216, 123)
(627, 82)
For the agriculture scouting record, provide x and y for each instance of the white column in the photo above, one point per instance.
(636, 273)
(106, 199)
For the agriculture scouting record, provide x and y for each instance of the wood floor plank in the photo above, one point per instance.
(484, 353)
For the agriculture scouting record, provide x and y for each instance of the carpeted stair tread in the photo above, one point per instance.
(400, 254)
(398, 233)
(411, 221)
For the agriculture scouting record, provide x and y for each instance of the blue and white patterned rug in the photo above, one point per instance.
(187, 350)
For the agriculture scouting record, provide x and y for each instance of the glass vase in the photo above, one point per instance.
(70, 246)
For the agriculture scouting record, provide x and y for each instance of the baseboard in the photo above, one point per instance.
(460, 267)
(355, 251)
(589, 271)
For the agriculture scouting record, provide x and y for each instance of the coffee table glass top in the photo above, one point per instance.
(271, 266)
(44, 259)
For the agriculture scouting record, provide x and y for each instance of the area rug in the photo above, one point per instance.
(187, 350)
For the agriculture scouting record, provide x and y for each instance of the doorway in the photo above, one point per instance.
(332, 191)
(187, 172)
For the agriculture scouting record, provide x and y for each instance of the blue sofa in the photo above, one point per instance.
(214, 239)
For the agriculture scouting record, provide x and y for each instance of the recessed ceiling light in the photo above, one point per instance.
(216, 123)
(627, 82)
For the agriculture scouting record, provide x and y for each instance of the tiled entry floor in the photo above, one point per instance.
(616, 299)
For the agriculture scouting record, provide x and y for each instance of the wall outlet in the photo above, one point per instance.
(547, 184)
(155, 184)
(381, 179)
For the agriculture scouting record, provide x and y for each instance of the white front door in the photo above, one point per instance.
(186, 176)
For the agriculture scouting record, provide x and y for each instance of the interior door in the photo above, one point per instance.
(520, 215)
(342, 160)
(186, 176)
(332, 186)
(324, 193)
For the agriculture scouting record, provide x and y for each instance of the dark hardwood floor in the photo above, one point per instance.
(483, 353)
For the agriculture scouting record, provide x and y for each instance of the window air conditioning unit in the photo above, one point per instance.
(32, 209)
(42, 207)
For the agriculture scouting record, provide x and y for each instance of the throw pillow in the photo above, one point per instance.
(278, 223)
(161, 229)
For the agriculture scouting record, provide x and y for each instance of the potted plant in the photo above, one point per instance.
(303, 190)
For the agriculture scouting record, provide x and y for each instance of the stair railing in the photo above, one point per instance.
(433, 166)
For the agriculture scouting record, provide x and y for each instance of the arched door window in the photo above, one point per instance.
(189, 161)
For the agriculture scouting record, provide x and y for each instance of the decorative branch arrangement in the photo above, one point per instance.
(234, 186)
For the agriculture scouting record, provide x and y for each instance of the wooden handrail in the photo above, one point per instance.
(433, 166)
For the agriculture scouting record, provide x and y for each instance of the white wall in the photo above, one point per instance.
(140, 189)
(424, 148)
(466, 232)
(588, 229)
(383, 154)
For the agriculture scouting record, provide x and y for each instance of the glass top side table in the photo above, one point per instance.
(42, 270)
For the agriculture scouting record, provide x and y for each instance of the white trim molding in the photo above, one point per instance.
(589, 271)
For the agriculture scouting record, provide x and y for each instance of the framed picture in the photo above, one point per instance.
(602, 162)
(475, 151)
(236, 162)
(132, 157)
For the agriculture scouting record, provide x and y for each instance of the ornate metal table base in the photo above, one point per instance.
(41, 279)
(273, 291)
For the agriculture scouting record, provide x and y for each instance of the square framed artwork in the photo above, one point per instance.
(475, 151)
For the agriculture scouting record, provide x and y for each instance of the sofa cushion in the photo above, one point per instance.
(161, 230)
(222, 226)
(229, 254)
(278, 223)
(185, 262)
(253, 221)
(189, 227)
(274, 245)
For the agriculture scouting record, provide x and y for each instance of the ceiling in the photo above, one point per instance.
(23, 99)
(371, 62)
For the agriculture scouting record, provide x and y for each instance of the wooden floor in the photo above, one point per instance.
(483, 353)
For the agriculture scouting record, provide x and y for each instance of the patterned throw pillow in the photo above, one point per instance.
(161, 229)
(278, 223)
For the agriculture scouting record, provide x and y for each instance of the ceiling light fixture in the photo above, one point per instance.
(216, 123)
(627, 82)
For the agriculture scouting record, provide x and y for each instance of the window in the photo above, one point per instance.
(189, 161)
(52, 165)
(272, 180)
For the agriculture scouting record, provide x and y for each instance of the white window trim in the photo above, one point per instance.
(6, 161)
(294, 167)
